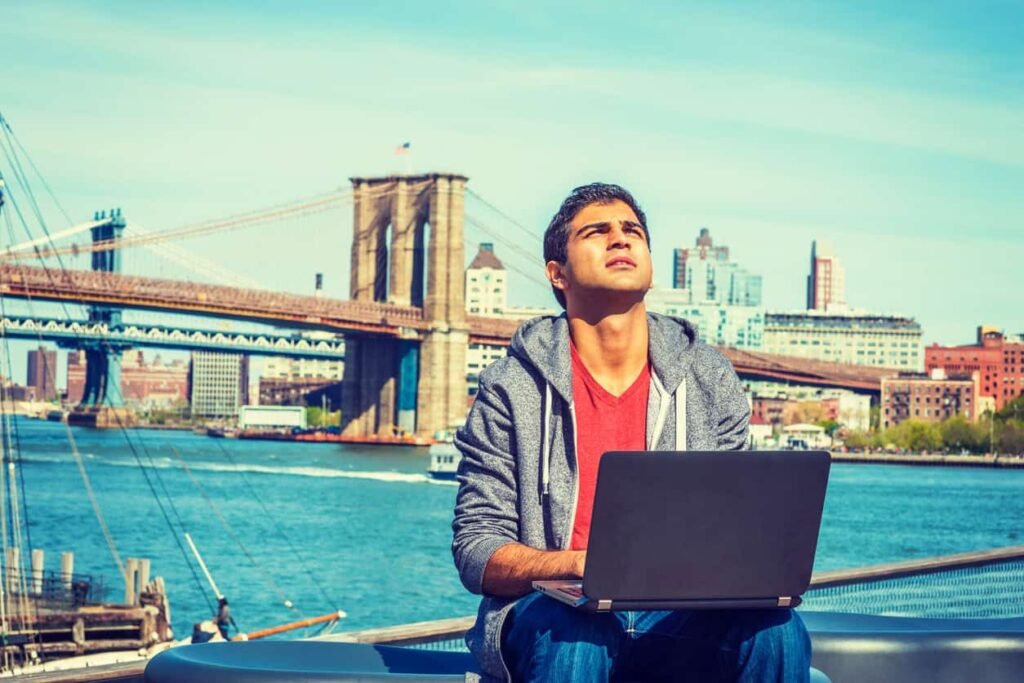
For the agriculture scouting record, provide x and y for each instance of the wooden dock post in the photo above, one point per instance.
(131, 568)
(13, 577)
(67, 568)
(143, 581)
(38, 558)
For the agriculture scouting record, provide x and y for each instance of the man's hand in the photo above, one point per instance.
(513, 567)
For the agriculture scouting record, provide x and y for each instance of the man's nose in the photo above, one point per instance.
(617, 238)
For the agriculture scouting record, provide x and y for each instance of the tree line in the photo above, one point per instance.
(1001, 432)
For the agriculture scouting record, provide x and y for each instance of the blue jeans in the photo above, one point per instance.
(545, 640)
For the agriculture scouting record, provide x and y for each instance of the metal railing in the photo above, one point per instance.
(54, 590)
(966, 585)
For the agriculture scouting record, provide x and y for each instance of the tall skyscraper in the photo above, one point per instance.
(826, 283)
(707, 275)
(42, 373)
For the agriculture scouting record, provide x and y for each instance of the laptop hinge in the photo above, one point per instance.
(785, 601)
(604, 605)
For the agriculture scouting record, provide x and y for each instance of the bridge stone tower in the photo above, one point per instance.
(408, 249)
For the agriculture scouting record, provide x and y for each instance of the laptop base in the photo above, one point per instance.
(570, 593)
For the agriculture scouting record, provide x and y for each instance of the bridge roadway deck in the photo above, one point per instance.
(346, 316)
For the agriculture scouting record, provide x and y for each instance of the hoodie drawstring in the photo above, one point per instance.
(659, 423)
(545, 447)
(681, 416)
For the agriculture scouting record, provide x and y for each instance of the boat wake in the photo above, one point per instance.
(165, 463)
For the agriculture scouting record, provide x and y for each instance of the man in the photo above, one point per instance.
(604, 376)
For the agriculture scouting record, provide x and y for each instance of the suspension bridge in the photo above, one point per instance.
(403, 331)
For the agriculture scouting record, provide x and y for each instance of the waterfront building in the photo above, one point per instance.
(142, 384)
(826, 283)
(872, 339)
(762, 435)
(9, 391)
(797, 404)
(998, 359)
(852, 411)
(42, 373)
(930, 397)
(300, 382)
(487, 294)
(707, 276)
(719, 324)
(280, 367)
(219, 383)
(769, 409)
(272, 417)
(486, 283)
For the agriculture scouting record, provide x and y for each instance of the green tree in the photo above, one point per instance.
(315, 417)
(858, 439)
(1010, 439)
(830, 426)
(958, 433)
(915, 435)
(1014, 410)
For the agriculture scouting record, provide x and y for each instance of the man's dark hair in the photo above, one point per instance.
(556, 237)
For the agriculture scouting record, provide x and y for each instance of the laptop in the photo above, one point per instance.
(700, 530)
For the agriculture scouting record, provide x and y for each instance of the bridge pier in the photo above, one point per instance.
(391, 384)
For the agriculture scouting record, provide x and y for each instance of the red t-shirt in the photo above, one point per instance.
(603, 423)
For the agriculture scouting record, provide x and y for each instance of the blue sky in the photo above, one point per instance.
(893, 130)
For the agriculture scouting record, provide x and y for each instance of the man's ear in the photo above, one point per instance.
(555, 272)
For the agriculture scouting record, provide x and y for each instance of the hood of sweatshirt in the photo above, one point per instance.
(544, 344)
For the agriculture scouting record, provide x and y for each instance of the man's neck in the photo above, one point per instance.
(613, 348)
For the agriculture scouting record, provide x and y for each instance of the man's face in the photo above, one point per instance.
(607, 255)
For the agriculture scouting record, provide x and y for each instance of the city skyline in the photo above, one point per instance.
(773, 130)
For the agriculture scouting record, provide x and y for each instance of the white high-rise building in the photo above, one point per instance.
(219, 383)
(706, 274)
(740, 327)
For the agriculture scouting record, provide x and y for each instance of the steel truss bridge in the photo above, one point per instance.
(134, 335)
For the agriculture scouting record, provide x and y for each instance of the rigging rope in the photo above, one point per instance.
(121, 425)
(267, 579)
(277, 527)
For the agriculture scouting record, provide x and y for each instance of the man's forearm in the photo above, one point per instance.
(513, 567)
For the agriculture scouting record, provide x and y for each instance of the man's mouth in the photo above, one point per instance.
(621, 261)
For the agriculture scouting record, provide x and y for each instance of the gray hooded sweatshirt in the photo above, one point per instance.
(518, 475)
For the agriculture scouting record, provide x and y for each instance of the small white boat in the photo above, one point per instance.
(444, 460)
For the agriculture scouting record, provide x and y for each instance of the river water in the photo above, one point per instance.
(363, 529)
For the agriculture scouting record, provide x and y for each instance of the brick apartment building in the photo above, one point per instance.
(42, 373)
(930, 397)
(154, 383)
(998, 361)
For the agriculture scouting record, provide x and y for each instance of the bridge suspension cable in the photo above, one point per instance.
(320, 203)
(10, 153)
